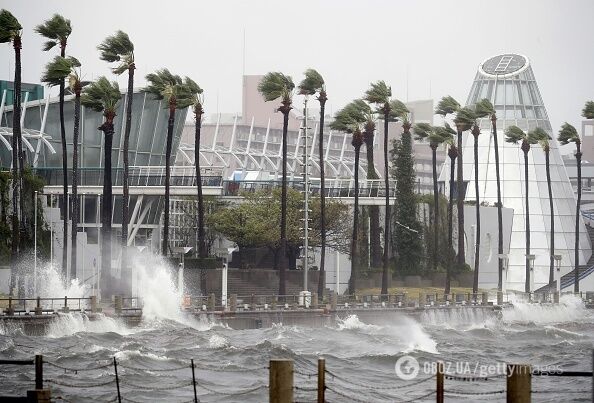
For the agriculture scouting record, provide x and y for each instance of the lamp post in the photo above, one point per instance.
(504, 258)
(224, 253)
(558, 275)
(531, 265)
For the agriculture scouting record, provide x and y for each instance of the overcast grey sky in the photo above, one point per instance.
(436, 44)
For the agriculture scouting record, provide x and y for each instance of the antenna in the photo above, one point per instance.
(243, 68)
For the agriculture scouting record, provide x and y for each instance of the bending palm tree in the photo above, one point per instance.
(485, 108)
(170, 88)
(273, 86)
(515, 135)
(476, 131)
(350, 120)
(119, 48)
(567, 135)
(452, 154)
(11, 31)
(314, 83)
(57, 30)
(103, 96)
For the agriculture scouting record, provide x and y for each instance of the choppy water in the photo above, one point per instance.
(156, 355)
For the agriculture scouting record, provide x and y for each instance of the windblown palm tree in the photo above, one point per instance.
(476, 131)
(57, 30)
(485, 108)
(103, 96)
(11, 31)
(452, 154)
(351, 119)
(515, 135)
(170, 88)
(568, 134)
(119, 48)
(436, 136)
(314, 83)
(273, 86)
(588, 111)
(56, 72)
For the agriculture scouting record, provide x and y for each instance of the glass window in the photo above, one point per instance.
(500, 93)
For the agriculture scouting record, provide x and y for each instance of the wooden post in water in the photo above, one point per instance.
(321, 380)
(440, 378)
(194, 382)
(115, 367)
(38, 371)
(281, 381)
(519, 383)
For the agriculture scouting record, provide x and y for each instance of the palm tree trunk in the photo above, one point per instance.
(17, 108)
(285, 109)
(576, 249)
(525, 149)
(202, 253)
(450, 256)
(355, 239)
(460, 203)
(125, 187)
(477, 241)
(386, 257)
(374, 228)
(107, 284)
(322, 277)
(75, 203)
(65, 175)
(435, 207)
(552, 216)
(169, 145)
(499, 206)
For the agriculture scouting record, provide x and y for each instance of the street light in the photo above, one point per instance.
(531, 273)
(558, 273)
(224, 254)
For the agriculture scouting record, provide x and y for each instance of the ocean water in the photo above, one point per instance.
(231, 365)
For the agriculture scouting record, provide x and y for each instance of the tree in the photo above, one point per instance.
(350, 119)
(11, 31)
(568, 134)
(119, 48)
(173, 90)
(314, 83)
(273, 86)
(57, 30)
(436, 136)
(452, 155)
(485, 108)
(588, 111)
(103, 96)
(515, 135)
(56, 72)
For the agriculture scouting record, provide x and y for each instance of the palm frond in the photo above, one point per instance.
(56, 71)
(398, 110)
(588, 111)
(117, 48)
(56, 29)
(350, 118)
(514, 135)
(446, 106)
(162, 84)
(275, 85)
(101, 95)
(484, 108)
(538, 135)
(312, 83)
(464, 119)
(445, 133)
(378, 93)
(48, 45)
(568, 134)
(422, 131)
(9, 26)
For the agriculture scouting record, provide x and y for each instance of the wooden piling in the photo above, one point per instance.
(39, 396)
(281, 381)
(38, 371)
(194, 382)
(519, 383)
(115, 367)
(440, 379)
(321, 380)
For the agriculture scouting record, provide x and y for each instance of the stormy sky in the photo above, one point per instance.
(423, 49)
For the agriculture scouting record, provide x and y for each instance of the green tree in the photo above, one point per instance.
(515, 135)
(118, 48)
(11, 31)
(177, 95)
(57, 30)
(588, 111)
(103, 96)
(312, 84)
(273, 86)
(568, 134)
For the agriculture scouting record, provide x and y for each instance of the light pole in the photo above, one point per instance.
(558, 275)
(224, 253)
(305, 218)
(531, 266)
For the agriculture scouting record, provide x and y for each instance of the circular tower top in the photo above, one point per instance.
(506, 65)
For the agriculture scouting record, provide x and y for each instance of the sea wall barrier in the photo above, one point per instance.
(289, 380)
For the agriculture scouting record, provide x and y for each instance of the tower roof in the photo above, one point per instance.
(506, 65)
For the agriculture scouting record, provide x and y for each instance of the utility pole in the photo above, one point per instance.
(305, 218)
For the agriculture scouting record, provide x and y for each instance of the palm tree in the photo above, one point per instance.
(314, 83)
(568, 134)
(588, 111)
(57, 30)
(170, 88)
(485, 108)
(436, 136)
(56, 72)
(476, 131)
(515, 135)
(119, 48)
(103, 96)
(350, 119)
(11, 31)
(273, 86)
(452, 154)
